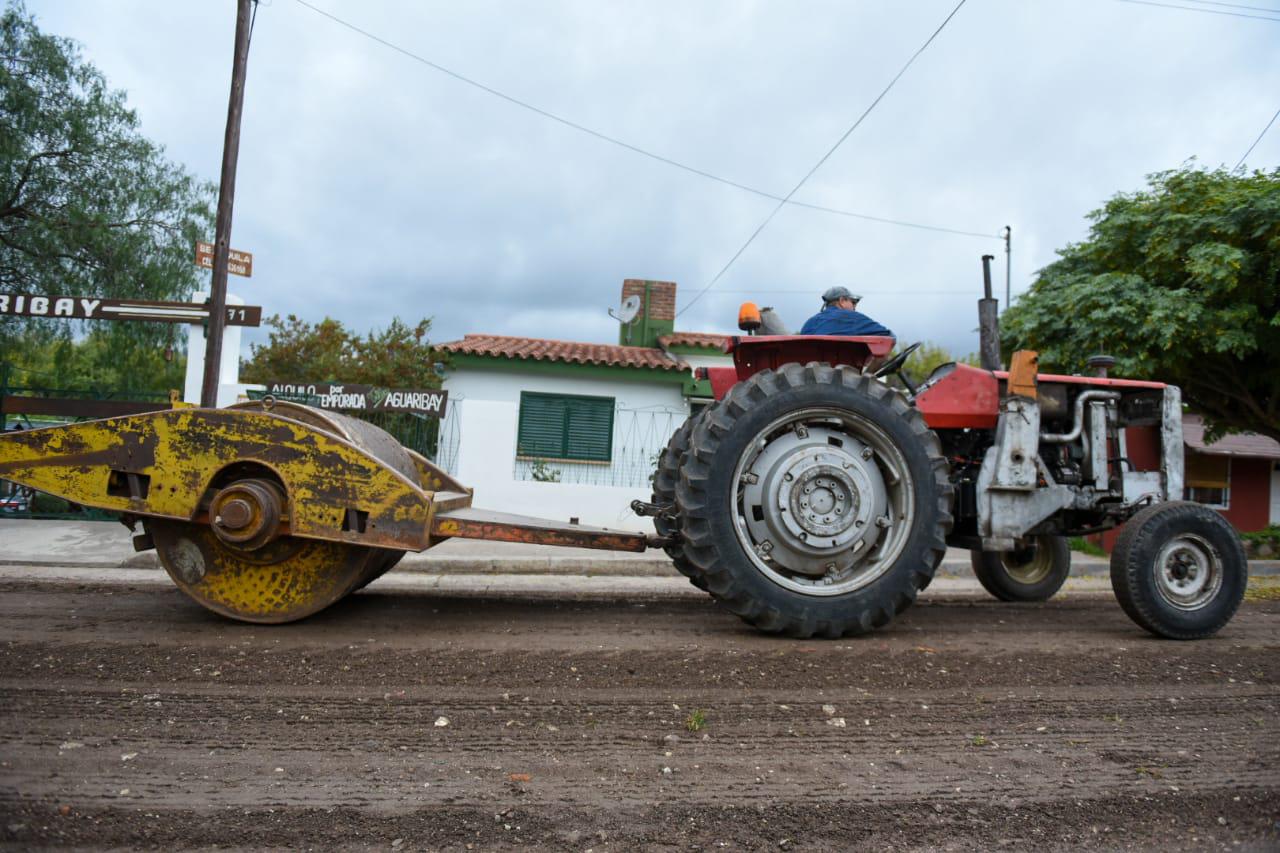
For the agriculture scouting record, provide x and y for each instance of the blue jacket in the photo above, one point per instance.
(838, 321)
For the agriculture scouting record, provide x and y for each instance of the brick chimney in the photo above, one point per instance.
(657, 314)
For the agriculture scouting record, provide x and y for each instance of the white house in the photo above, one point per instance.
(567, 429)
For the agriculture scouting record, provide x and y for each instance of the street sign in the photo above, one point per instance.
(333, 395)
(87, 308)
(238, 263)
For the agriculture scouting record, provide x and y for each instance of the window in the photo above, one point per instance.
(565, 427)
(1208, 479)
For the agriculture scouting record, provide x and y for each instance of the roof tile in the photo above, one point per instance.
(571, 352)
(694, 339)
(1237, 444)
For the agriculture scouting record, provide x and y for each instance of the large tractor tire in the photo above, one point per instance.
(815, 501)
(1179, 570)
(665, 479)
(1034, 572)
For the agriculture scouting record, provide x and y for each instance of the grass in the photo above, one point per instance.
(979, 740)
(1265, 588)
(1084, 546)
(696, 721)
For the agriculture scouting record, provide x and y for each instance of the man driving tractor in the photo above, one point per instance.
(840, 316)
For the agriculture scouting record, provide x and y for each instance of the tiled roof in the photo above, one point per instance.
(1238, 444)
(572, 352)
(694, 339)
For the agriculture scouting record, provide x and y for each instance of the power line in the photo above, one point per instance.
(613, 140)
(1256, 141)
(782, 203)
(861, 292)
(1233, 5)
(1203, 11)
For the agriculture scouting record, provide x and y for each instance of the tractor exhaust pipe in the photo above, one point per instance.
(988, 321)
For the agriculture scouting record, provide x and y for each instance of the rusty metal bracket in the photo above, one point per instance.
(469, 523)
(643, 509)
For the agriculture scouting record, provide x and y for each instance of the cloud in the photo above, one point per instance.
(371, 186)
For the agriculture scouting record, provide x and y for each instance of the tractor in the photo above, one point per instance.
(816, 496)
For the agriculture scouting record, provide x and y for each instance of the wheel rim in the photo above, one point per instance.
(1188, 572)
(1028, 565)
(824, 501)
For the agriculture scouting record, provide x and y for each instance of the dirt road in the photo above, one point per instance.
(410, 720)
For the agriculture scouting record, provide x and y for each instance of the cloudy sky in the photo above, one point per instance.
(371, 185)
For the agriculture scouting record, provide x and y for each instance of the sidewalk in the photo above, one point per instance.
(107, 545)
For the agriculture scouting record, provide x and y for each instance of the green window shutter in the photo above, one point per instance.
(565, 426)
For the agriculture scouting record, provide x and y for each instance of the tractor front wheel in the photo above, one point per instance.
(814, 500)
(1179, 571)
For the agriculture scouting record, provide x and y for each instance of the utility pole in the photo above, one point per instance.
(226, 201)
(1008, 267)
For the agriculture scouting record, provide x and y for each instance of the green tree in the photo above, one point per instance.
(399, 356)
(88, 206)
(930, 357)
(1181, 283)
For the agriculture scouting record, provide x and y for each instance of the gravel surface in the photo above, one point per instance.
(408, 718)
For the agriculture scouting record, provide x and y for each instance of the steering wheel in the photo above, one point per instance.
(894, 365)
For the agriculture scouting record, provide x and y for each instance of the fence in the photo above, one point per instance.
(416, 432)
(25, 406)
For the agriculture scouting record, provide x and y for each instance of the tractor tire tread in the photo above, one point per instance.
(890, 594)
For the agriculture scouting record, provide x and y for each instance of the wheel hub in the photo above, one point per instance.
(812, 500)
(1188, 572)
(247, 514)
(823, 499)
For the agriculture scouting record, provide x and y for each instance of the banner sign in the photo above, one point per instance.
(238, 263)
(333, 395)
(86, 308)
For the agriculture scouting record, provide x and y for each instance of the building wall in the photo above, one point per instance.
(1250, 507)
(1275, 495)
(479, 445)
(1250, 502)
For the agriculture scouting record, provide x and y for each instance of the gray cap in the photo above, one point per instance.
(835, 294)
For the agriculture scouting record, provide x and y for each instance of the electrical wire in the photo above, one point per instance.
(1203, 11)
(861, 292)
(613, 140)
(1233, 6)
(1246, 154)
(832, 150)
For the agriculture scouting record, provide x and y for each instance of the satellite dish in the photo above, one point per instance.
(628, 310)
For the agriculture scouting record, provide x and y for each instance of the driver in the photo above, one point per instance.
(840, 316)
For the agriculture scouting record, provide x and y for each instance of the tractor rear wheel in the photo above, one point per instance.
(1179, 571)
(1034, 572)
(665, 479)
(815, 501)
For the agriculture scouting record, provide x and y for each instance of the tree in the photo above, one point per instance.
(1181, 283)
(930, 357)
(88, 206)
(298, 351)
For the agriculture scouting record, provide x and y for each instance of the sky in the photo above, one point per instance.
(372, 186)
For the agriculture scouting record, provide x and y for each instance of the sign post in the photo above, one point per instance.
(238, 262)
(88, 308)
(226, 201)
(363, 398)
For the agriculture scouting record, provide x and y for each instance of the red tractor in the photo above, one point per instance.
(812, 498)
